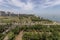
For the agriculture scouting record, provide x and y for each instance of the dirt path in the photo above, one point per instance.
(19, 36)
(6, 38)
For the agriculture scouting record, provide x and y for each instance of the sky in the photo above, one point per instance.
(31, 6)
(36, 6)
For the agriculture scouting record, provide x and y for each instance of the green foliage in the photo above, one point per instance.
(40, 36)
(42, 32)
(16, 30)
(1, 36)
(11, 35)
(38, 19)
(4, 27)
(35, 32)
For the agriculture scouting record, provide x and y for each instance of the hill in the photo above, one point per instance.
(9, 17)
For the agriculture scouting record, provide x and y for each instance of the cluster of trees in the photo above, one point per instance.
(39, 19)
(3, 13)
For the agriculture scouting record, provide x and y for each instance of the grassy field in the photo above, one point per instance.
(28, 32)
(8, 19)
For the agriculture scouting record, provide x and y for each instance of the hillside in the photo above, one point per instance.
(27, 27)
(9, 17)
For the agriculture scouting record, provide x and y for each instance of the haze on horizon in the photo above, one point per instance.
(44, 8)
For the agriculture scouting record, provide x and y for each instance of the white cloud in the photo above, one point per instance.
(30, 5)
(49, 3)
(22, 5)
(1, 2)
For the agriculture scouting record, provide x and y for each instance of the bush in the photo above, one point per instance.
(11, 35)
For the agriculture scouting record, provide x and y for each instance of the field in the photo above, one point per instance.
(35, 32)
(8, 19)
(28, 28)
